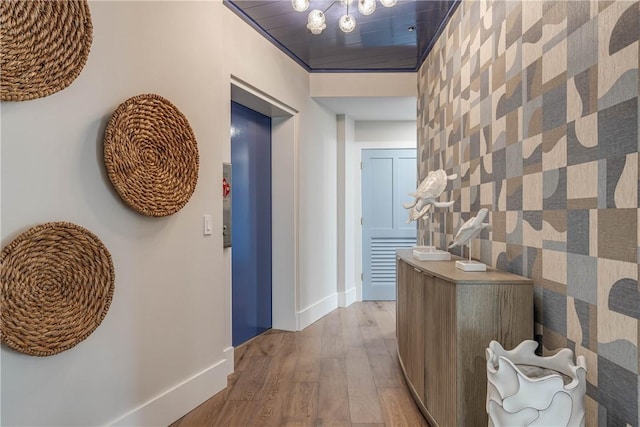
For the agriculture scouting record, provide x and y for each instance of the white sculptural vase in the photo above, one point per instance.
(528, 390)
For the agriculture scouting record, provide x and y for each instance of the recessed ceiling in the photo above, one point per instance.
(381, 42)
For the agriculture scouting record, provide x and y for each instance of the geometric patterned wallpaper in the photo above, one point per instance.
(534, 104)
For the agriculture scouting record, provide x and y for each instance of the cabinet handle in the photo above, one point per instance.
(417, 270)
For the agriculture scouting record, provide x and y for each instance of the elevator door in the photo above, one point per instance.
(251, 223)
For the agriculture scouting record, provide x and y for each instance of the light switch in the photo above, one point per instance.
(207, 225)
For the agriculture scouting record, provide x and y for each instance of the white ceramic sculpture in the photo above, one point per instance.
(528, 390)
(427, 194)
(471, 229)
(468, 231)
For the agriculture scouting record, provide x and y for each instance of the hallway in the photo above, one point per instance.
(341, 371)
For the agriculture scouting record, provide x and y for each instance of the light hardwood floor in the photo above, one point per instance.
(341, 371)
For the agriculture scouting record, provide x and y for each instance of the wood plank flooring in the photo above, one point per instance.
(341, 371)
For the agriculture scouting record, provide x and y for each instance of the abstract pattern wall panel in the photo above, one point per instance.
(534, 104)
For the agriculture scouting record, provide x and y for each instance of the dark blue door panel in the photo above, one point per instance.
(251, 223)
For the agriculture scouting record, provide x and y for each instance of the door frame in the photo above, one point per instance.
(284, 204)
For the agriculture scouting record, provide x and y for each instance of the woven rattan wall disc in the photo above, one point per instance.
(44, 46)
(57, 285)
(151, 155)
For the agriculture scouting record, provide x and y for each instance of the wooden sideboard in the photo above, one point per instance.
(445, 319)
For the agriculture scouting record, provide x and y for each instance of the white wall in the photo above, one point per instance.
(378, 134)
(346, 286)
(318, 204)
(165, 344)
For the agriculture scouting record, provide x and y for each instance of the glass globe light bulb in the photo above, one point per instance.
(347, 23)
(366, 7)
(300, 5)
(316, 21)
(388, 3)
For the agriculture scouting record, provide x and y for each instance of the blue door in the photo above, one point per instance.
(388, 176)
(251, 223)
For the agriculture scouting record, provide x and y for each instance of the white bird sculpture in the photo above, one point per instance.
(471, 229)
(427, 193)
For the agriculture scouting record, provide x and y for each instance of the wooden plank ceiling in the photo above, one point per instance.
(393, 39)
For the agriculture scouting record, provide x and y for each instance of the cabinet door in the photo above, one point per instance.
(440, 350)
(410, 324)
(415, 363)
(403, 272)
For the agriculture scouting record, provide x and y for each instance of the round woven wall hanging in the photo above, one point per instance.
(151, 155)
(45, 45)
(57, 285)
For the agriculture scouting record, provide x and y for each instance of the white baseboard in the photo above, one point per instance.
(315, 311)
(345, 299)
(228, 354)
(172, 404)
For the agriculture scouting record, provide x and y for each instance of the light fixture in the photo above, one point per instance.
(316, 21)
(300, 5)
(366, 7)
(347, 23)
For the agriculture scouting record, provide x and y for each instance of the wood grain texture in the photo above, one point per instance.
(414, 363)
(308, 364)
(399, 409)
(333, 399)
(302, 407)
(364, 406)
(440, 353)
(253, 380)
(269, 404)
(456, 317)
(385, 371)
(285, 381)
(505, 314)
(447, 270)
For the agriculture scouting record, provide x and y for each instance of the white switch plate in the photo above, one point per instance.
(207, 225)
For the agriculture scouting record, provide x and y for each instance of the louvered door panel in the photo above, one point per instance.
(383, 258)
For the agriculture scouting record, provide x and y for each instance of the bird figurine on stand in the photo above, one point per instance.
(468, 231)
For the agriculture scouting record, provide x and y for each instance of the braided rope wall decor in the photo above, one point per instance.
(57, 285)
(151, 155)
(43, 46)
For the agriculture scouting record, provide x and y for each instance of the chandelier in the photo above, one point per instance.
(347, 23)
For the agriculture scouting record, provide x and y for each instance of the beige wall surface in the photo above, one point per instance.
(164, 345)
(362, 84)
(535, 106)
